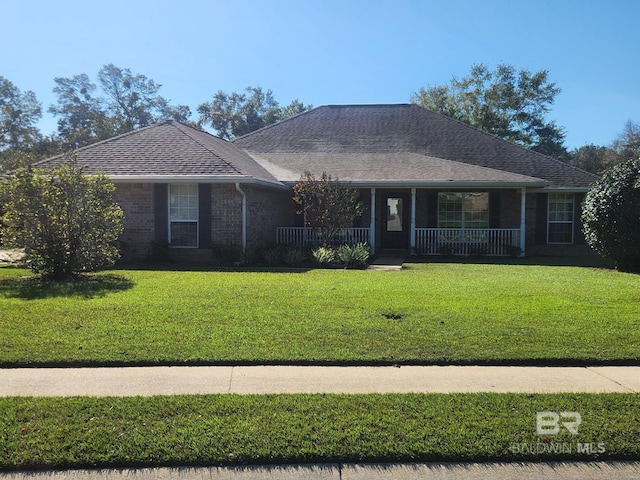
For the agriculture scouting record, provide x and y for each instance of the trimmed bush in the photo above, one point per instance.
(225, 255)
(611, 215)
(294, 257)
(272, 257)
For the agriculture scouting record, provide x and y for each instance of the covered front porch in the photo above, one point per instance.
(428, 221)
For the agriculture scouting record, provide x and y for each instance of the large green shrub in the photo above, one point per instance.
(67, 222)
(611, 215)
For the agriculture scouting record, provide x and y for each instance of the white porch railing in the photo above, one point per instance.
(476, 241)
(307, 236)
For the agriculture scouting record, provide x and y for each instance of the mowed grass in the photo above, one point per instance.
(265, 429)
(426, 313)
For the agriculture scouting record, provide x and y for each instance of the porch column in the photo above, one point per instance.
(372, 224)
(523, 212)
(412, 229)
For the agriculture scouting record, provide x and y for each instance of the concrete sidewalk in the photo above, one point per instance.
(408, 471)
(132, 381)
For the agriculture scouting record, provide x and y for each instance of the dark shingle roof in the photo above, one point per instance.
(386, 169)
(350, 130)
(168, 149)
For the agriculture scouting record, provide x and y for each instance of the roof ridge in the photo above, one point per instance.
(271, 125)
(184, 131)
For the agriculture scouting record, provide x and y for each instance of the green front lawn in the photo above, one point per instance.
(426, 313)
(230, 429)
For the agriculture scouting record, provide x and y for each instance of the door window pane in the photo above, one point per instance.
(394, 215)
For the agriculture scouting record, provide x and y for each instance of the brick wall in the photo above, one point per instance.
(510, 208)
(267, 209)
(136, 201)
(226, 215)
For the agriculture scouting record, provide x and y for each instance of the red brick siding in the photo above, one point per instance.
(136, 201)
(267, 209)
(226, 215)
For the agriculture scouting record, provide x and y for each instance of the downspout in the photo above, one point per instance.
(372, 221)
(523, 216)
(412, 229)
(244, 217)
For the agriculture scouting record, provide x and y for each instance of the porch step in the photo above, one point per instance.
(386, 263)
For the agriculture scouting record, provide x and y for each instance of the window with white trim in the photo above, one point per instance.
(463, 210)
(560, 217)
(183, 215)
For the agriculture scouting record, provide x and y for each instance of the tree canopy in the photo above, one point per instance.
(504, 102)
(124, 102)
(236, 114)
(19, 113)
(627, 144)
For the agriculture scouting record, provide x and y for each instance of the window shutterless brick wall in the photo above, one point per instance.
(267, 209)
(136, 201)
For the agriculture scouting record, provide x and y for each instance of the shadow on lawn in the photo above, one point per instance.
(87, 286)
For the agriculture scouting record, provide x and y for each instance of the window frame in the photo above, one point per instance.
(552, 200)
(465, 214)
(194, 219)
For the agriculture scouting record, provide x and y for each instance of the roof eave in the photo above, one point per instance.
(551, 188)
(193, 179)
(443, 184)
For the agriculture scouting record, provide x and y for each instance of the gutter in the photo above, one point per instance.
(244, 217)
(440, 184)
(192, 179)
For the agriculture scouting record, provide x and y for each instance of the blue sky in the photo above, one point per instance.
(336, 51)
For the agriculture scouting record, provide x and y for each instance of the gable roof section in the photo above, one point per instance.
(168, 151)
(396, 130)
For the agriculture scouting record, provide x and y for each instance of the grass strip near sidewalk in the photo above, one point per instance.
(426, 313)
(230, 429)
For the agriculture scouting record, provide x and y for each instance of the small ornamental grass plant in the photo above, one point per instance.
(324, 256)
(354, 256)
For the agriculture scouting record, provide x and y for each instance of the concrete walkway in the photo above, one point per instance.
(386, 264)
(132, 381)
(408, 471)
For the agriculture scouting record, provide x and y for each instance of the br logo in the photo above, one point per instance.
(548, 423)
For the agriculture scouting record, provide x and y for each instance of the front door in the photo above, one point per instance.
(395, 221)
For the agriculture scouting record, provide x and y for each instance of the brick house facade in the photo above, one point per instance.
(429, 185)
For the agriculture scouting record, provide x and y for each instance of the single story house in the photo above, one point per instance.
(430, 184)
